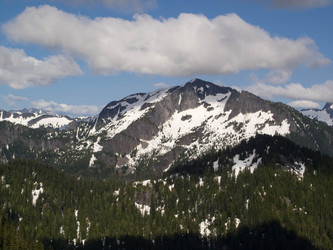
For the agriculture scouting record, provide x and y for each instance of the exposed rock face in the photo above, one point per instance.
(155, 129)
(329, 109)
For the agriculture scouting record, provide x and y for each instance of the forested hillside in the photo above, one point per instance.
(201, 203)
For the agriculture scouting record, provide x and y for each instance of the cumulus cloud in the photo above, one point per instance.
(300, 3)
(161, 85)
(306, 104)
(65, 108)
(20, 71)
(12, 100)
(278, 76)
(184, 46)
(318, 92)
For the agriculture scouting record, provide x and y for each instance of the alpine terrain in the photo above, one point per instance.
(144, 134)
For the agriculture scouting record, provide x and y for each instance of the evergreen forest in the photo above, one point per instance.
(198, 204)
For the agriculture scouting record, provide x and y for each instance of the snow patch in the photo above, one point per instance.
(204, 227)
(36, 192)
(227, 224)
(144, 209)
(218, 179)
(201, 182)
(241, 165)
(216, 165)
(92, 160)
(61, 230)
(37, 119)
(237, 222)
(298, 169)
(96, 146)
(55, 122)
(320, 115)
(143, 183)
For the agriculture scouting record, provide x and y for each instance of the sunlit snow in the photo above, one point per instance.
(36, 120)
(241, 165)
(298, 169)
(204, 227)
(144, 209)
(320, 115)
(36, 192)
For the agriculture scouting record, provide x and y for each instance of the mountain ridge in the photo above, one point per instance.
(155, 129)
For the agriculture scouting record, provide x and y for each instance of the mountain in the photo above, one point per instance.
(34, 118)
(324, 115)
(144, 134)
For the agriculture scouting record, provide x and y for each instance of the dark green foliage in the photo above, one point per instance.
(269, 209)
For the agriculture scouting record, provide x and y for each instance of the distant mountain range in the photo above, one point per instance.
(34, 118)
(324, 115)
(144, 134)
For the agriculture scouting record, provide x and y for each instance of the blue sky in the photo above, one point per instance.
(75, 56)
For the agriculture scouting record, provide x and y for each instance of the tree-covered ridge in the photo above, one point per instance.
(272, 208)
(276, 151)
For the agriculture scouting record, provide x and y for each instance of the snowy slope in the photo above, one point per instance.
(324, 115)
(34, 118)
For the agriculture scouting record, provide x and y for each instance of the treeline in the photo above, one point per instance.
(42, 208)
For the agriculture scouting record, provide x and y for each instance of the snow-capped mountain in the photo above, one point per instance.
(182, 121)
(324, 115)
(148, 132)
(169, 122)
(34, 118)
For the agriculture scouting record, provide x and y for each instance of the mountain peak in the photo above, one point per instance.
(199, 83)
(328, 106)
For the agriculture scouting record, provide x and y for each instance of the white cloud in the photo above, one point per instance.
(184, 46)
(65, 108)
(300, 3)
(318, 92)
(12, 100)
(306, 104)
(161, 85)
(20, 71)
(278, 76)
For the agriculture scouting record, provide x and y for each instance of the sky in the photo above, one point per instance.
(75, 56)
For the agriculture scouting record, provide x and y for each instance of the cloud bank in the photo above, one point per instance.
(161, 85)
(50, 106)
(65, 108)
(12, 100)
(295, 91)
(304, 104)
(20, 71)
(184, 46)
